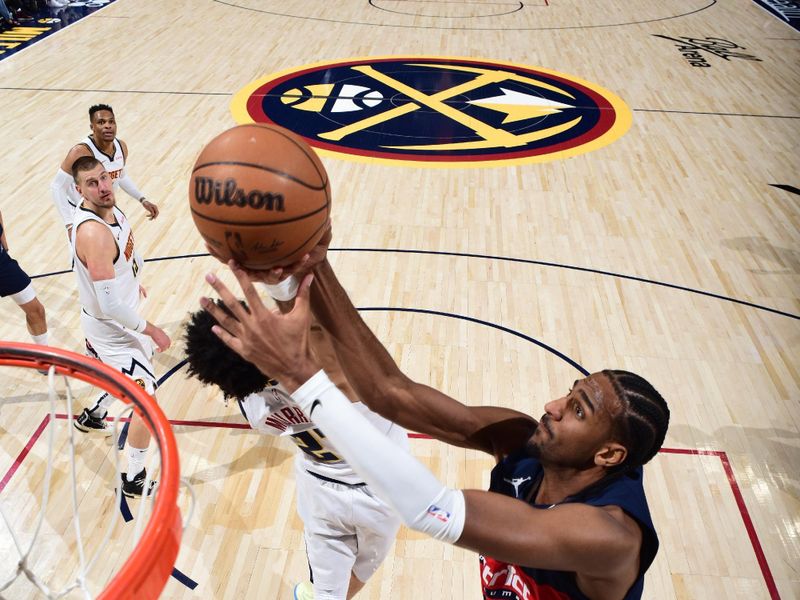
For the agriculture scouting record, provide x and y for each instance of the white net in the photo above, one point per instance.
(66, 528)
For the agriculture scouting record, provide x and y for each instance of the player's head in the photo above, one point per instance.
(102, 122)
(212, 362)
(93, 182)
(611, 419)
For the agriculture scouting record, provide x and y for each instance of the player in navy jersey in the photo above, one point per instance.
(14, 282)
(566, 515)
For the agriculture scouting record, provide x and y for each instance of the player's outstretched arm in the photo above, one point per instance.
(381, 385)
(601, 545)
(371, 371)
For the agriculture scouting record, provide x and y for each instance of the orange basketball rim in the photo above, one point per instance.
(145, 573)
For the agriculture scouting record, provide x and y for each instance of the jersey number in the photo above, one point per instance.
(310, 442)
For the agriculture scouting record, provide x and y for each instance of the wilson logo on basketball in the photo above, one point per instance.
(436, 111)
(228, 193)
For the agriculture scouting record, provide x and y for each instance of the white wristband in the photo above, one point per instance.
(285, 290)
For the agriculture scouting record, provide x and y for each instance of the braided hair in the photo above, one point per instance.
(642, 425)
(212, 362)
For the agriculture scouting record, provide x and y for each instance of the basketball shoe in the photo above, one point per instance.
(303, 591)
(89, 424)
(135, 488)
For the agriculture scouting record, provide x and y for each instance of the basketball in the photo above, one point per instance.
(260, 195)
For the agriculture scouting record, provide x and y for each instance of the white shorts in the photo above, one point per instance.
(127, 351)
(347, 529)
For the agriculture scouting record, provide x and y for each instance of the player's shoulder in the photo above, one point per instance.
(92, 229)
(78, 150)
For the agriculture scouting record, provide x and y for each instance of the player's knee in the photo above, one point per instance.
(34, 311)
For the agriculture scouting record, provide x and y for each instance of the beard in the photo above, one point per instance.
(532, 447)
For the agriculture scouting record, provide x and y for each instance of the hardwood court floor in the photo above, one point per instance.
(666, 252)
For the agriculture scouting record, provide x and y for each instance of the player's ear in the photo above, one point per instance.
(610, 454)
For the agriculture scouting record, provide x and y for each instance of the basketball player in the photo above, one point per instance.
(112, 152)
(108, 269)
(15, 282)
(348, 531)
(566, 514)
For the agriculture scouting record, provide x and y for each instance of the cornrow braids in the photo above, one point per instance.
(212, 362)
(643, 424)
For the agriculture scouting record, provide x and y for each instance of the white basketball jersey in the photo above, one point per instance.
(273, 412)
(113, 164)
(127, 264)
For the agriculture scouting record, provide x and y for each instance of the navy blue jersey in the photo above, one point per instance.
(12, 278)
(516, 476)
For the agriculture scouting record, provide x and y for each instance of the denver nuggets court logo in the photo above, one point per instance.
(436, 111)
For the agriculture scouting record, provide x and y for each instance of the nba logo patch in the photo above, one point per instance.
(436, 111)
(438, 513)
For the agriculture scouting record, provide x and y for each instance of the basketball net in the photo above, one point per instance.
(97, 528)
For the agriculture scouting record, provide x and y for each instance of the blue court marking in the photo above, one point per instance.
(125, 510)
(177, 574)
(527, 338)
(42, 24)
(123, 435)
(575, 268)
(508, 259)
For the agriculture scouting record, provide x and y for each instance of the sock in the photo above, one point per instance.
(100, 408)
(40, 339)
(136, 458)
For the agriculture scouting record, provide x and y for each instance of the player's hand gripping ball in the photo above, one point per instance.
(259, 194)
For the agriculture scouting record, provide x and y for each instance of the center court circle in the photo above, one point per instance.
(436, 111)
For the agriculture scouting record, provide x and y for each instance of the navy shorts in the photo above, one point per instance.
(12, 278)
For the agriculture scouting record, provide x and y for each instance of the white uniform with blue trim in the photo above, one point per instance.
(346, 527)
(122, 348)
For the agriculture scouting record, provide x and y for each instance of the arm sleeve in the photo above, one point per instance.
(64, 196)
(399, 479)
(126, 183)
(107, 291)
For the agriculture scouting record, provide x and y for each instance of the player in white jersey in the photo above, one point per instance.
(112, 152)
(108, 270)
(348, 531)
